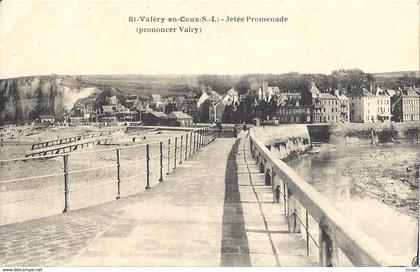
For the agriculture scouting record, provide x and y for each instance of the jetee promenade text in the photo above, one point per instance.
(156, 24)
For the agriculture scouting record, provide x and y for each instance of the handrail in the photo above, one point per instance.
(201, 138)
(100, 150)
(359, 248)
(66, 140)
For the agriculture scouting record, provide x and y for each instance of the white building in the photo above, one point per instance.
(370, 108)
(204, 96)
(231, 97)
(383, 106)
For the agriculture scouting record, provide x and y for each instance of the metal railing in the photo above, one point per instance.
(172, 150)
(67, 140)
(335, 232)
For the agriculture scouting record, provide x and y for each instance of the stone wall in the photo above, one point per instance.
(385, 131)
(284, 141)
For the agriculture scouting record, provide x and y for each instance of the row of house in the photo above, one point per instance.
(314, 106)
(366, 106)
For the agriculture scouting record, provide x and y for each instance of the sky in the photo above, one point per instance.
(73, 37)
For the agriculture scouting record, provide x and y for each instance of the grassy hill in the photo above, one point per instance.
(144, 85)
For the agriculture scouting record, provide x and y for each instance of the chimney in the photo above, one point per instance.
(370, 87)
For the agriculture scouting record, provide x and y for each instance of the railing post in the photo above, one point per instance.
(66, 183)
(176, 147)
(201, 138)
(180, 151)
(198, 139)
(293, 210)
(284, 197)
(186, 146)
(147, 168)
(118, 174)
(273, 186)
(214, 133)
(161, 161)
(307, 232)
(191, 141)
(169, 155)
(194, 146)
(328, 251)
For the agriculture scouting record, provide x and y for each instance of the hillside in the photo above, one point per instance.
(24, 99)
(144, 85)
(397, 74)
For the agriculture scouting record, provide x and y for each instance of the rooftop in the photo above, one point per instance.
(158, 114)
(179, 115)
(327, 96)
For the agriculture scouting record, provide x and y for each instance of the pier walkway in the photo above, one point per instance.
(213, 210)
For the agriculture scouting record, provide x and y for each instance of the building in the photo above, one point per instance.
(78, 120)
(154, 118)
(216, 111)
(132, 103)
(367, 107)
(266, 93)
(344, 106)
(383, 106)
(109, 110)
(309, 97)
(406, 105)
(326, 106)
(156, 98)
(157, 106)
(44, 118)
(329, 108)
(187, 105)
(363, 107)
(203, 97)
(231, 97)
(126, 116)
(301, 114)
(178, 118)
(112, 100)
(287, 98)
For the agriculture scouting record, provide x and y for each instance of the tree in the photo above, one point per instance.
(243, 86)
(408, 80)
(203, 111)
(352, 80)
(219, 83)
(228, 114)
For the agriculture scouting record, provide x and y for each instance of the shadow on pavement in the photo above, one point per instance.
(235, 249)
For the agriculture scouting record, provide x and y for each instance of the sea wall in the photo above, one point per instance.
(285, 141)
(385, 132)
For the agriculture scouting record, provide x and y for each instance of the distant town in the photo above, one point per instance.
(267, 104)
